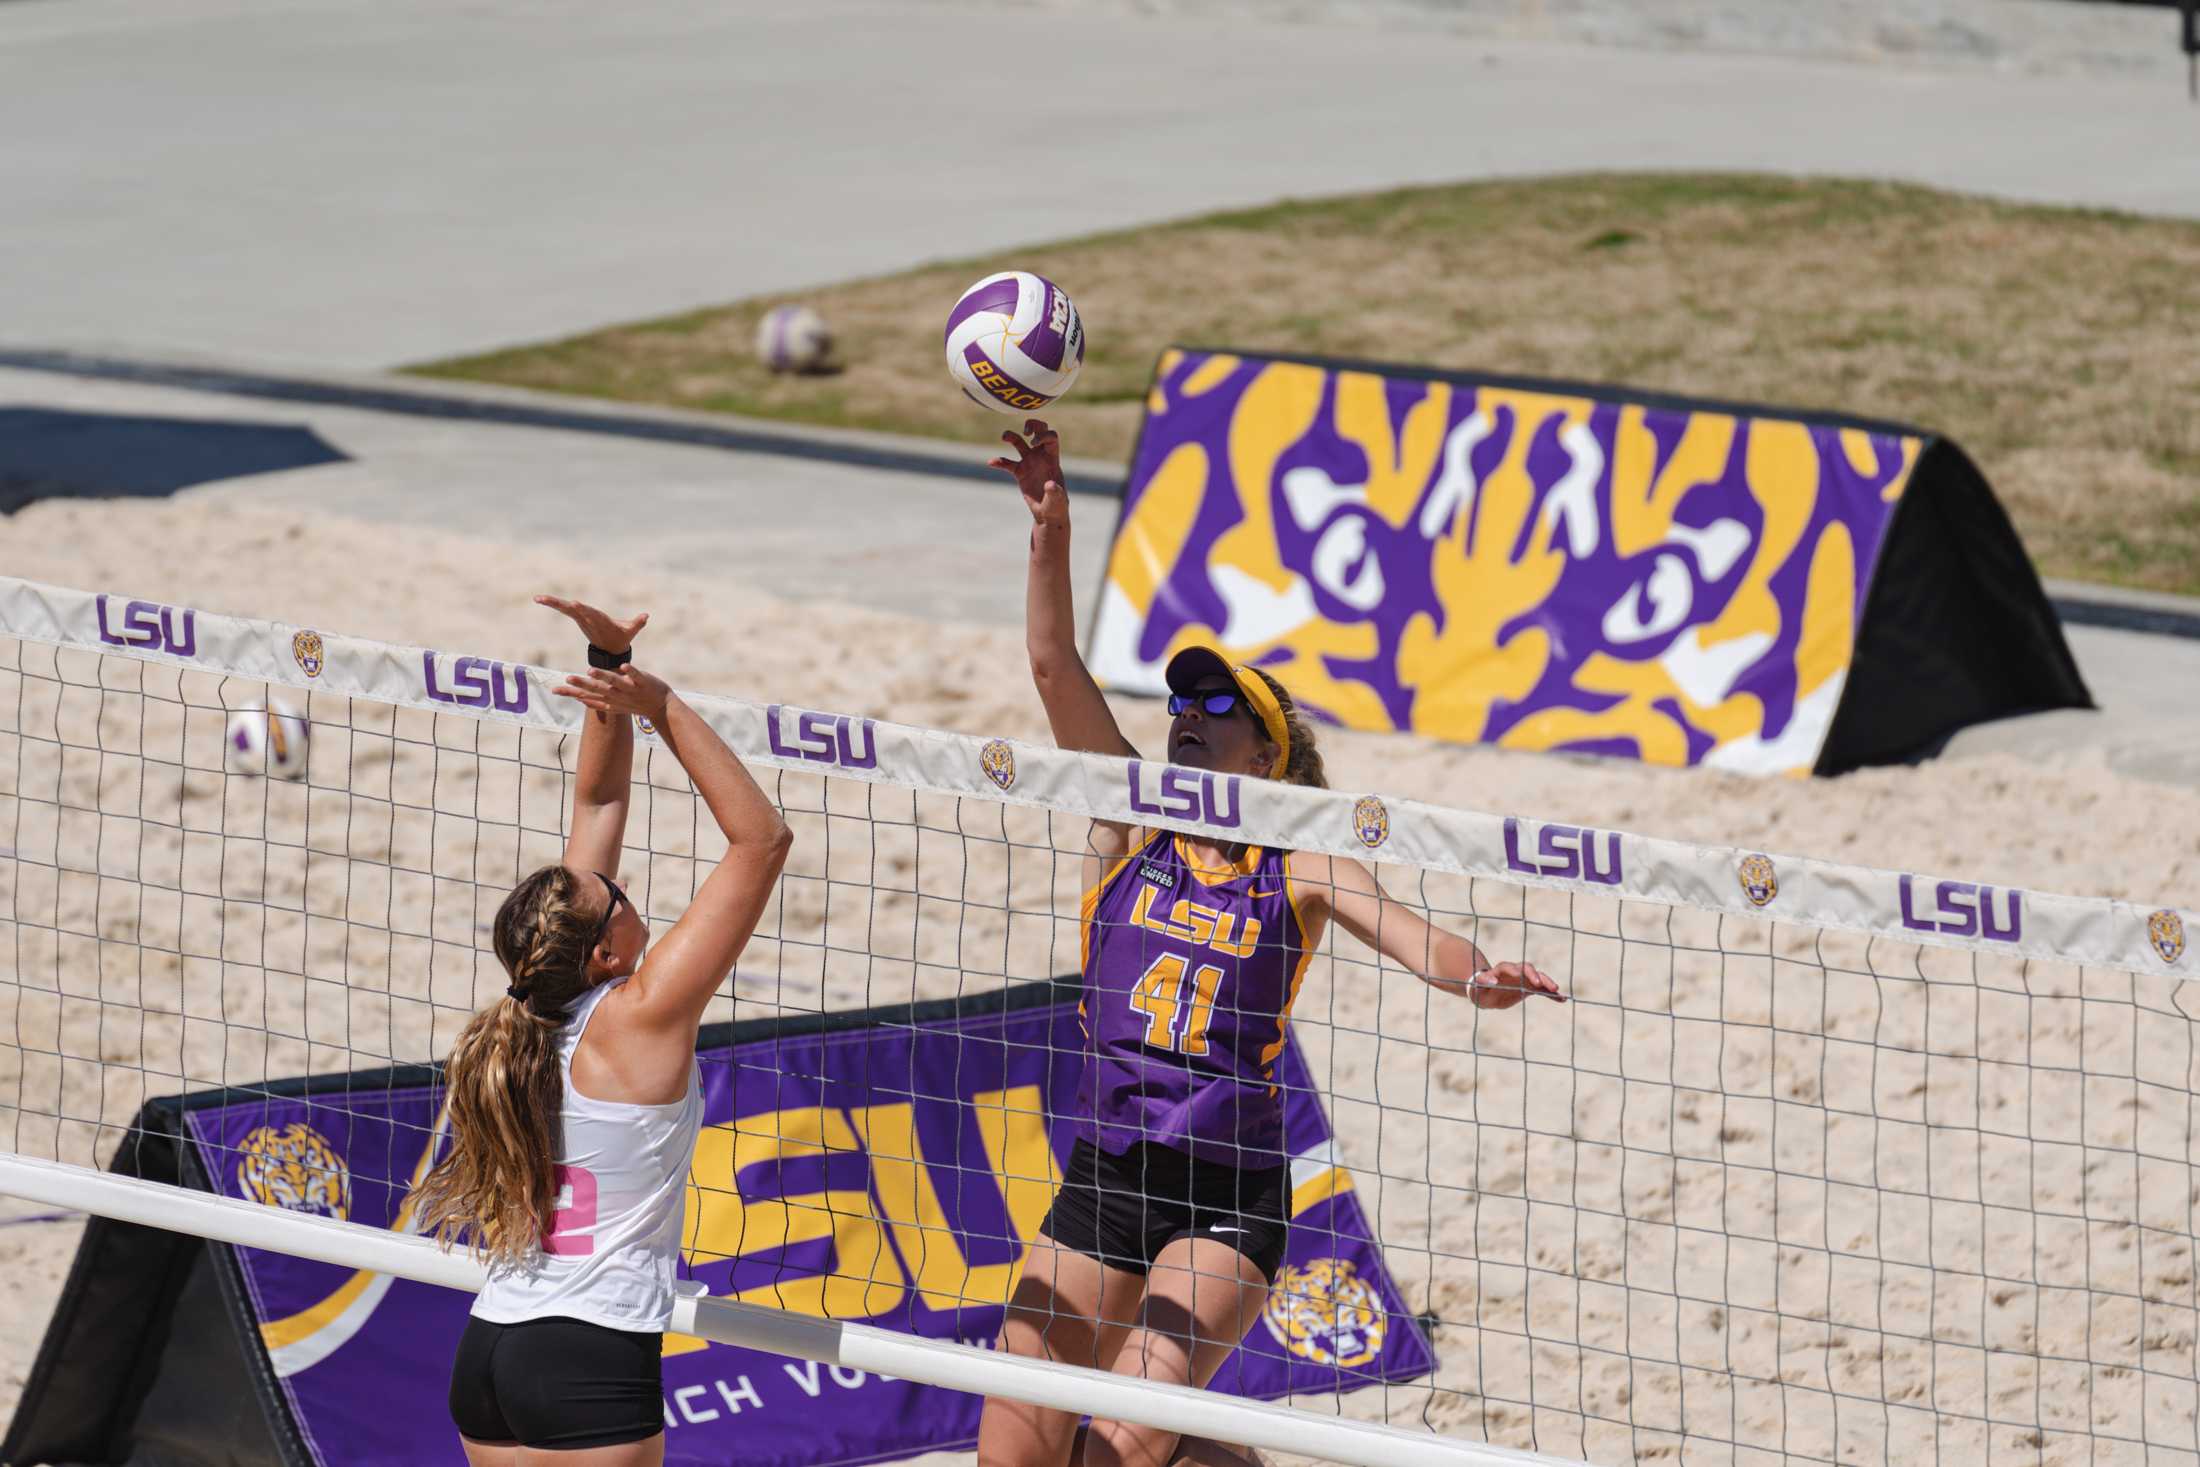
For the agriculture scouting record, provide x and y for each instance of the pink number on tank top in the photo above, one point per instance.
(571, 1225)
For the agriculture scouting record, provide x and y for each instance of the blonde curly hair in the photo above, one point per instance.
(1305, 766)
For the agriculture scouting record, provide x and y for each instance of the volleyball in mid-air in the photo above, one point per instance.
(260, 743)
(1014, 342)
(793, 339)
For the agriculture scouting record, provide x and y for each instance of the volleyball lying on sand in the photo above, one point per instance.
(260, 744)
(793, 339)
(1014, 342)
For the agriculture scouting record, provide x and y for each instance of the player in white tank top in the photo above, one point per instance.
(622, 1187)
(574, 1101)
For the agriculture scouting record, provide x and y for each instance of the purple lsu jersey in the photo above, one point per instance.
(1188, 988)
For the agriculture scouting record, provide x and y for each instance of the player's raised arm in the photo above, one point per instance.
(605, 773)
(1076, 710)
(686, 967)
(1348, 891)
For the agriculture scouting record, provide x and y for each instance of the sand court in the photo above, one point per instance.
(1782, 1189)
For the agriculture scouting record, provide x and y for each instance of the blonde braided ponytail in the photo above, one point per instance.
(497, 1182)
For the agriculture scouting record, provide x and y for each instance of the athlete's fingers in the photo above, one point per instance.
(595, 683)
(1008, 436)
(1037, 428)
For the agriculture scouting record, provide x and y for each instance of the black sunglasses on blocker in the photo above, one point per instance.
(611, 908)
(1215, 705)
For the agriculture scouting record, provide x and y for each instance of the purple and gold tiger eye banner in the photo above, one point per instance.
(892, 1172)
(1485, 563)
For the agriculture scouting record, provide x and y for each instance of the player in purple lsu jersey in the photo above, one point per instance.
(1157, 1254)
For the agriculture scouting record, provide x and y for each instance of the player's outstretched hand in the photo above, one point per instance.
(1037, 469)
(625, 690)
(1506, 984)
(601, 628)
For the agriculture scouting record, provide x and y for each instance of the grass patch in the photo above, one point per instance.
(2057, 345)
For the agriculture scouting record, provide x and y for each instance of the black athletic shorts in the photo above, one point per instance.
(1123, 1210)
(557, 1382)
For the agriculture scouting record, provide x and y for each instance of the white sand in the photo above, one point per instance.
(1656, 1217)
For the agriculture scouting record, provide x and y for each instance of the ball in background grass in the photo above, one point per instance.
(1014, 342)
(262, 742)
(793, 339)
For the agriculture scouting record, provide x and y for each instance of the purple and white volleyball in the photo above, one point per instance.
(792, 339)
(268, 744)
(1014, 342)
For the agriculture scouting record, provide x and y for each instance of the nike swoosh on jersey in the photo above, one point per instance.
(1256, 895)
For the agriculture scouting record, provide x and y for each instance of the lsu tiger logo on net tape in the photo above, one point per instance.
(1325, 1312)
(1370, 821)
(997, 761)
(294, 1167)
(1760, 881)
(305, 650)
(2166, 935)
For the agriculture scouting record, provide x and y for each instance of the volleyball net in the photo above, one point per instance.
(1820, 1164)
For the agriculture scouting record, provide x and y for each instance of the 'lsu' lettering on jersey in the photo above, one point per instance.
(1188, 989)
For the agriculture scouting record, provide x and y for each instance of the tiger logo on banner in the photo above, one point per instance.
(295, 1168)
(1492, 564)
(1326, 1313)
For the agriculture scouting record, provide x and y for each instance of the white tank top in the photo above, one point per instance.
(622, 1183)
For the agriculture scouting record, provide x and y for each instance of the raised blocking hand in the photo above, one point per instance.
(600, 627)
(1037, 469)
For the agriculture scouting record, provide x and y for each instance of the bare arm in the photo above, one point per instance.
(1349, 892)
(1077, 711)
(604, 777)
(686, 966)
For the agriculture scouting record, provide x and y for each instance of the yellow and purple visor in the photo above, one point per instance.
(1195, 665)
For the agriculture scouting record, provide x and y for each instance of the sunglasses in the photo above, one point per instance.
(1215, 705)
(611, 908)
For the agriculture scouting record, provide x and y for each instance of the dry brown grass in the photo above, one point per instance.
(2057, 345)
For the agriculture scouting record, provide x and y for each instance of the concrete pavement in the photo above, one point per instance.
(362, 183)
(917, 540)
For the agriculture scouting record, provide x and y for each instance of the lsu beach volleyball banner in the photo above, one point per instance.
(888, 1167)
(1551, 566)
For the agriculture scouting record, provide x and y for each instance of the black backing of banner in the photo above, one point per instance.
(1956, 628)
(153, 1357)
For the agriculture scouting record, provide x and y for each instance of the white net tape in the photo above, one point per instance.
(1821, 1165)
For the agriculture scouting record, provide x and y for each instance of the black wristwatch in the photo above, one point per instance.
(608, 661)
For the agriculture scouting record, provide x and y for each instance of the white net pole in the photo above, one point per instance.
(1824, 1164)
(831, 1342)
